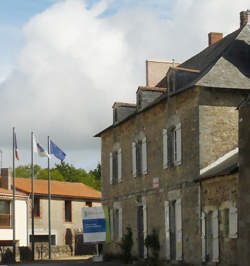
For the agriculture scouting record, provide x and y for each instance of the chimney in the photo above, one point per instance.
(6, 178)
(244, 18)
(214, 37)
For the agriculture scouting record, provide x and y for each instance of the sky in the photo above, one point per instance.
(63, 63)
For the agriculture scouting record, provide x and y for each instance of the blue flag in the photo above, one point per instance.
(58, 153)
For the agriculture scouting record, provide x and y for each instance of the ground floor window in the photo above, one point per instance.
(5, 216)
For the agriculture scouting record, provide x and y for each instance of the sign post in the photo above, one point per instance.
(95, 227)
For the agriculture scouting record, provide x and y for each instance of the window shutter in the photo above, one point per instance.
(215, 235)
(167, 230)
(111, 217)
(203, 237)
(165, 148)
(111, 168)
(178, 144)
(119, 165)
(233, 222)
(120, 223)
(178, 219)
(134, 159)
(144, 156)
(145, 228)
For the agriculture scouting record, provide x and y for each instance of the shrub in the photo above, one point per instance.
(126, 246)
(25, 254)
(8, 256)
(153, 245)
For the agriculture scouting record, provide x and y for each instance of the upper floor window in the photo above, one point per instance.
(89, 203)
(172, 147)
(68, 211)
(139, 157)
(36, 207)
(5, 213)
(115, 169)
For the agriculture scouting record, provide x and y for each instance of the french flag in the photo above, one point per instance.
(16, 149)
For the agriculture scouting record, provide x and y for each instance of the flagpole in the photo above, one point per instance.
(32, 196)
(49, 196)
(14, 197)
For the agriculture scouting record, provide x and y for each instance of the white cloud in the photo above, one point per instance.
(74, 65)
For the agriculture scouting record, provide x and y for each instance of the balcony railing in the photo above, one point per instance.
(5, 220)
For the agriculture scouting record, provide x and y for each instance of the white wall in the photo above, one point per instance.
(21, 225)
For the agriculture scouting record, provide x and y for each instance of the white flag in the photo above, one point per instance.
(39, 149)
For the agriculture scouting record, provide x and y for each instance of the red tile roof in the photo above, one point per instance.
(6, 192)
(58, 188)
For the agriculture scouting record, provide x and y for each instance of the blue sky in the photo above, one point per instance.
(63, 63)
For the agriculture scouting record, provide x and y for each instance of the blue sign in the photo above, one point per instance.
(94, 225)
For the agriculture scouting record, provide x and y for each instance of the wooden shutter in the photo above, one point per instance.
(120, 231)
(233, 222)
(167, 230)
(119, 165)
(145, 228)
(165, 148)
(215, 236)
(134, 159)
(111, 168)
(203, 237)
(178, 144)
(111, 218)
(178, 220)
(144, 156)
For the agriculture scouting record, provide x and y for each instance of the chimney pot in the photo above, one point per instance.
(6, 178)
(214, 37)
(244, 18)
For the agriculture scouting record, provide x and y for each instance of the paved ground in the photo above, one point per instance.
(69, 262)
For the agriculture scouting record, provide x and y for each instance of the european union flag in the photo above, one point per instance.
(58, 153)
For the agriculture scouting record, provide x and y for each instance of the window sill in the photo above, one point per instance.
(6, 227)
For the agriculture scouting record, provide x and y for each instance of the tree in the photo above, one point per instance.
(25, 171)
(54, 175)
(96, 172)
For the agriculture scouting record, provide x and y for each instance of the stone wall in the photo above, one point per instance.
(221, 193)
(218, 126)
(150, 124)
(244, 184)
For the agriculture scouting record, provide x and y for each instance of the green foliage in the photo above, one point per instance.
(64, 172)
(25, 254)
(96, 172)
(54, 175)
(153, 245)
(126, 246)
(25, 170)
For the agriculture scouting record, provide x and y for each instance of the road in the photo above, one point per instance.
(69, 263)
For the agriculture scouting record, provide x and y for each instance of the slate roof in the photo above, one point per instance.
(58, 189)
(225, 64)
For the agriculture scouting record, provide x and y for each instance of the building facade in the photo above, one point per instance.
(153, 157)
(67, 201)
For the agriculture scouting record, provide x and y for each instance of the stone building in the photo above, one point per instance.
(160, 156)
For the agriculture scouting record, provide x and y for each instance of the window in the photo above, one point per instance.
(172, 147)
(210, 236)
(117, 223)
(68, 211)
(36, 207)
(5, 213)
(173, 229)
(115, 159)
(139, 157)
(88, 203)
